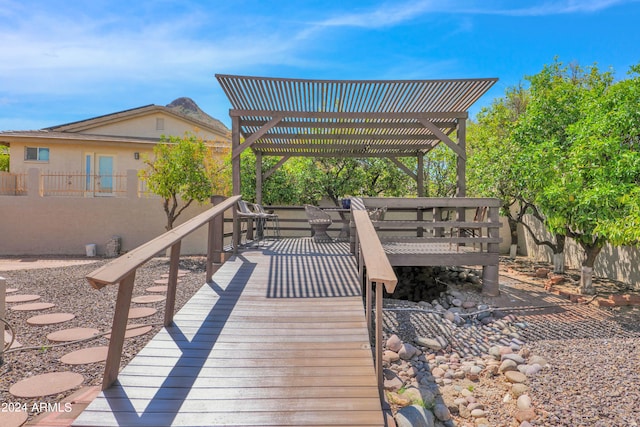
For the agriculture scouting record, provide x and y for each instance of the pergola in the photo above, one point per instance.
(349, 118)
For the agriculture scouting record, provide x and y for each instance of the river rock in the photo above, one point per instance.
(441, 412)
(390, 356)
(518, 390)
(429, 343)
(515, 377)
(515, 357)
(525, 415)
(477, 413)
(394, 343)
(524, 402)
(508, 365)
(407, 351)
(538, 359)
(414, 416)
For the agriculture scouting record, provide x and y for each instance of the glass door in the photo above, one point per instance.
(98, 170)
(104, 180)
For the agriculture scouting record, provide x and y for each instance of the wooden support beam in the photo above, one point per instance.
(461, 164)
(404, 168)
(444, 138)
(251, 139)
(118, 329)
(420, 172)
(172, 283)
(352, 115)
(277, 166)
(258, 177)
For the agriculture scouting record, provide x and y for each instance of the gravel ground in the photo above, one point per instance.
(593, 373)
(68, 289)
(593, 378)
(592, 382)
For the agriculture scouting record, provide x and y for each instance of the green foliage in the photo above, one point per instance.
(570, 157)
(4, 158)
(308, 180)
(178, 174)
(593, 188)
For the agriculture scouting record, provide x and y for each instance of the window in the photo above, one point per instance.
(159, 124)
(39, 154)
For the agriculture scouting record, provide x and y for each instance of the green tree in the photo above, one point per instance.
(178, 174)
(496, 165)
(4, 158)
(592, 192)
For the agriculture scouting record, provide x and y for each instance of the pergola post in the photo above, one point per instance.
(420, 174)
(461, 164)
(235, 178)
(258, 177)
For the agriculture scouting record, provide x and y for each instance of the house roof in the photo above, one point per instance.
(51, 136)
(394, 118)
(182, 108)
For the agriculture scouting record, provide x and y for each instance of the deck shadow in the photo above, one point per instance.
(168, 399)
(302, 268)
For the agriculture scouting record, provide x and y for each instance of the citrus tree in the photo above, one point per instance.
(178, 174)
(592, 190)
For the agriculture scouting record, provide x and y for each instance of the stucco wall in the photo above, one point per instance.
(617, 263)
(64, 225)
(70, 157)
(145, 127)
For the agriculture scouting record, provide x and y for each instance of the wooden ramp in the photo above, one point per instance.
(277, 339)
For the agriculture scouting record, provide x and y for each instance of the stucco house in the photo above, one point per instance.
(96, 149)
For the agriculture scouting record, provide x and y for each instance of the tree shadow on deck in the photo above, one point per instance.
(194, 348)
(302, 268)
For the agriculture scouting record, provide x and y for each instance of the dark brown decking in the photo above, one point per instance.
(277, 339)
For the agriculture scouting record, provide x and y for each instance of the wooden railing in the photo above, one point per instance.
(122, 272)
(375, 271)
(435, 231)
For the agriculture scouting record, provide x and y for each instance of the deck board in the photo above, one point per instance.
(277, 339)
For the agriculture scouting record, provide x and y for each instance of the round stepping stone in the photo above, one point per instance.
(11, 290)
(22, 298)
(134, 330)
(50, 319)
(163, 281)
(72, 334)
(86, 356)
(13, 419)
(46, 384)
(33, 306)
(136, 313)
(157, 289)
(146, 299)
(180, 274)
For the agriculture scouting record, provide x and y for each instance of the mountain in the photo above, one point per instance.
(187, 107)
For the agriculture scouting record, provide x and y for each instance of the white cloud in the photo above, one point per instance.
(394, 13)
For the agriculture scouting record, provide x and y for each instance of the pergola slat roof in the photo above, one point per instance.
(349, 118)
(356, 118)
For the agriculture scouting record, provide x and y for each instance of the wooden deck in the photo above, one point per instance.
(277, 339)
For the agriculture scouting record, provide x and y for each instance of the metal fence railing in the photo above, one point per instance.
(80, 184)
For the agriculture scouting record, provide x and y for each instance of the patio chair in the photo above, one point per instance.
(268, 218)
(319, 222)
(247, 216)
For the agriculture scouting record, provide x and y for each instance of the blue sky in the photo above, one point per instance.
(67, 60)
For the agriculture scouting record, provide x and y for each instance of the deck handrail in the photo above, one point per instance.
(370, 254)
(122, 271)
